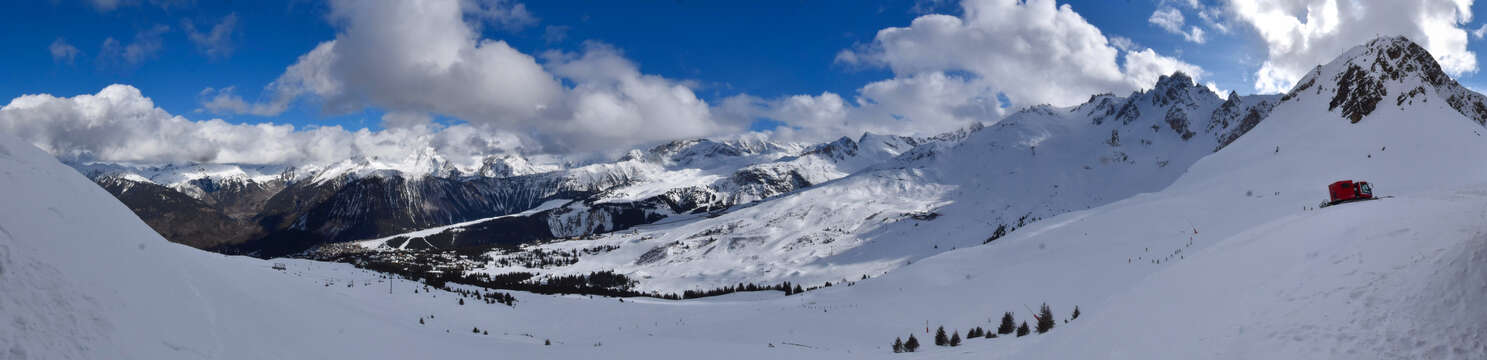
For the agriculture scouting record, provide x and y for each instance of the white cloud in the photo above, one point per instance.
(147, 43)
(922, 104)
(63, 52)
(226, 101)
(1143, 68)
(119, 124)
(1223, 94)
(1124, 43)
(508, 14)
(436, 62)
(949, 70)
(215, 43)
(1167, 18)
(1480, 32)
(1033, 51)
(1171, 19)
(1300, 34)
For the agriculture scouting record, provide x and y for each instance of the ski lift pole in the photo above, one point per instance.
(1030, 310)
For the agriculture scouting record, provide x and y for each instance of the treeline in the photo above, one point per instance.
(541, 258)
(599, 283)
(1008, 327)
(1003, 229)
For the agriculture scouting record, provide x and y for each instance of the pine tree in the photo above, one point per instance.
(898, 345)
(1007, 324)
(462, 301)
(798, 289)
(1045, 319)
(1022, 330)
(1076, 313)
(547, 342)
(420, 321)
(477, 330)
(911, 345)
(940, 338)
(955, 339)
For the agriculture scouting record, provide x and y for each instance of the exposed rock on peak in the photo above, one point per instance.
(1356, 83)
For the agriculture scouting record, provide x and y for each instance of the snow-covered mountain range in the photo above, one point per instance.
(1216, 254)
(276, 210)
(875, 216)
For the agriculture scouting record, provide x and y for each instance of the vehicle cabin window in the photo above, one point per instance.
(1364, 188)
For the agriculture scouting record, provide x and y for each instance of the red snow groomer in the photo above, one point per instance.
(1347, 191)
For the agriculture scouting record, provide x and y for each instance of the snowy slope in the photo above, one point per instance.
(82, 278)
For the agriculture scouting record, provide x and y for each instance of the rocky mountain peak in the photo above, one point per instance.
(1384, 69)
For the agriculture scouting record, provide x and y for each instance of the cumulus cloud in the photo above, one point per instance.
(226, 101)
(215, 43)
(1171, 19)
(1480, 32)
(63, 52)
(1300, 34)
(118, 124)
(922, 104)
(950, 71)
(437, 62)
(146, 44)
(1033, 51)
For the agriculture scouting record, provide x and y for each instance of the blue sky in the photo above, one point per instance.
(766, 48)
(775, 54)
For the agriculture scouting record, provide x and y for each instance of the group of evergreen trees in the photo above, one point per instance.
(489, 297)
(601, 283)
(979, 332)
(1008, 326)
(1003, 229)
(905, 346)
(1045, 319)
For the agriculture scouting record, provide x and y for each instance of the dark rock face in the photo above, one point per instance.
(1360, 87)
(1101, 107)
(1177, 119)
(307, 214)
(767, 183)
(178, 217)
(1358, 93)
(1172, 89)
(1252, 118)
(1128, 113)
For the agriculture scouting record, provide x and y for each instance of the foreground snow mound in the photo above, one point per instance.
(1401, 278)
(83, 278)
